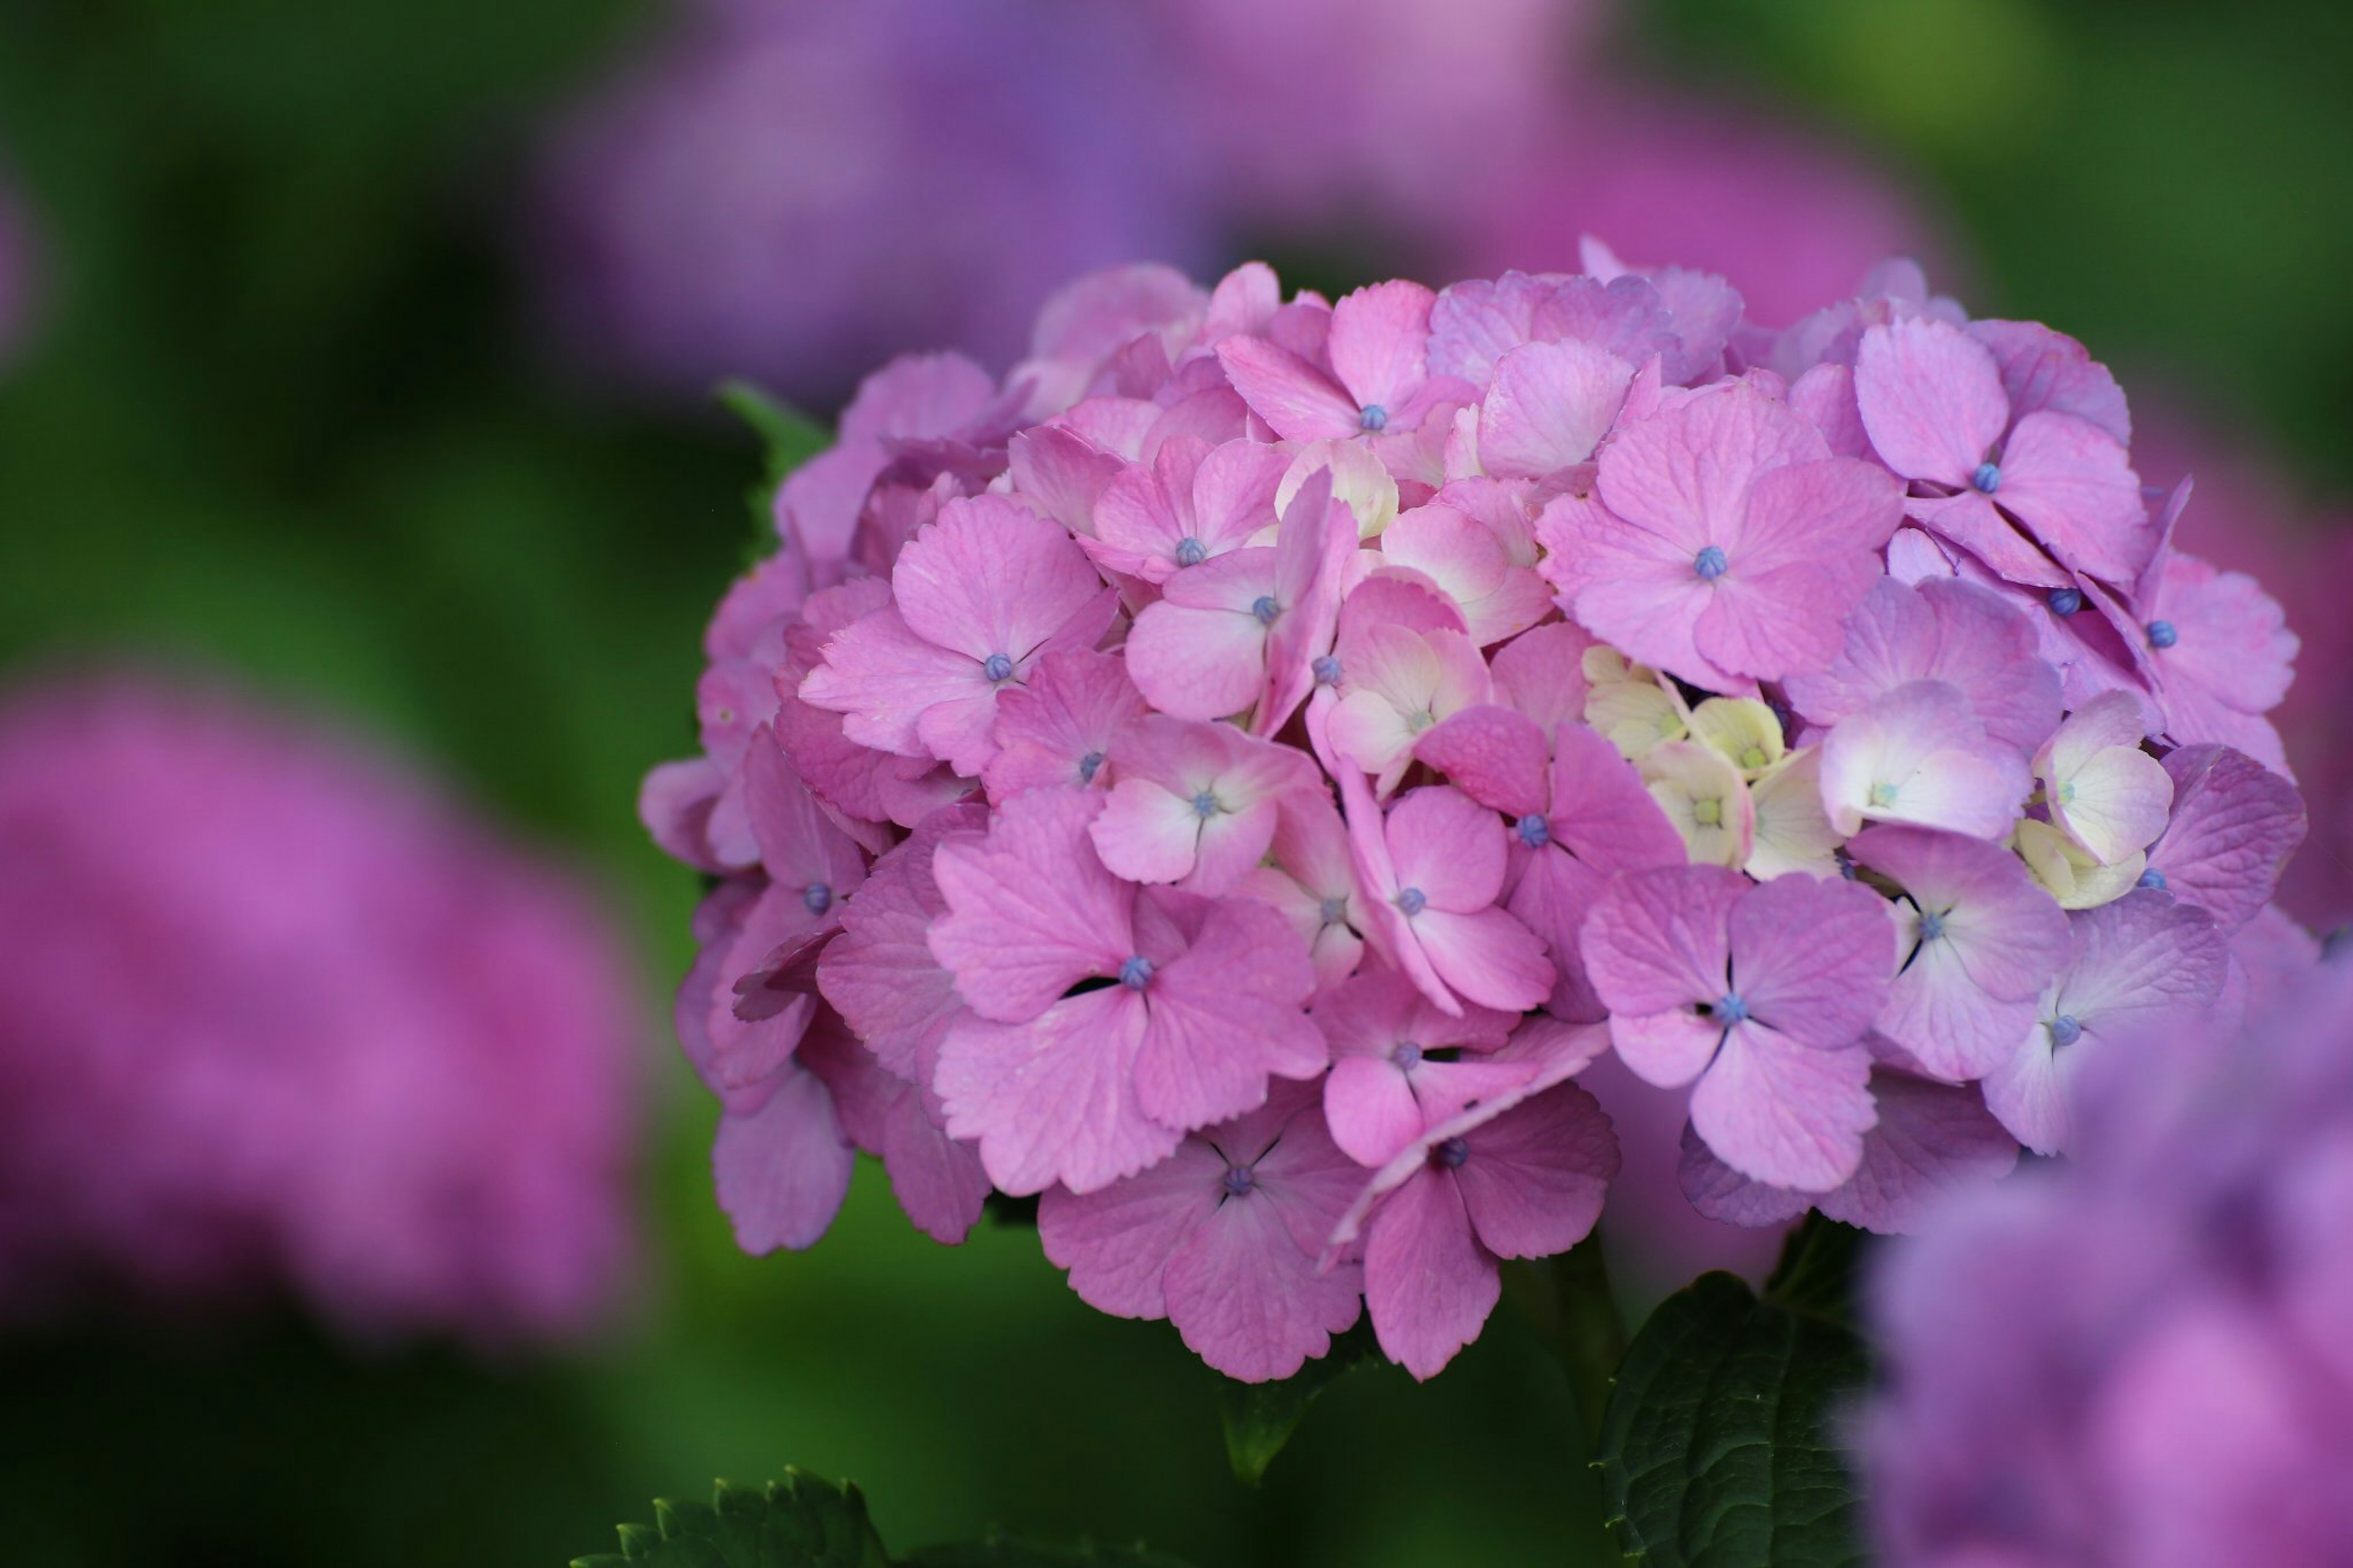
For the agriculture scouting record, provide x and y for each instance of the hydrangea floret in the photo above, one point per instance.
(1228, 777)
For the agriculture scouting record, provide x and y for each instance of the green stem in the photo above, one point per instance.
(1568, 1297)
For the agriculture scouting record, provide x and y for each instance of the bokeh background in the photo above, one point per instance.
(358, 350)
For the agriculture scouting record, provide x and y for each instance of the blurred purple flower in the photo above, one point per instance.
(794, 192)
(2139, 1358)
(273, 1016)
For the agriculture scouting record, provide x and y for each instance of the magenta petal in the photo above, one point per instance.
(1428, 1282)
(1932, 1141)
(783, 1170)
(1787, 1114)
(1115, 1242)
(1536, 1175)
(1723, 1194)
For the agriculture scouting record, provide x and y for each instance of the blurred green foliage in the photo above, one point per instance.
(283, 420)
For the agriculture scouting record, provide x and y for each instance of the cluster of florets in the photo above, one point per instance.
(276, 1020)
(2138, 1359)
(1229, 777)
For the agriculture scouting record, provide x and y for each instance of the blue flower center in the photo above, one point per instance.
(1412, 900)
(1711, 563)
(1932, 925)
(2064, 601)
(1407, 1055)
(1732, 1008)
(1372, 416)
(1239, 1181)
(1533, 830)
(1136, 972)
(816, 898)
(1333, 909)
(2064, 1030)
(2152, 877)
(1265, 609)
(1327, 669)
(1191, 551)
(1089, 765)
(1205, 805)
(1450, 1153)
(997, 666)
(1987, 478)
(2161, 635)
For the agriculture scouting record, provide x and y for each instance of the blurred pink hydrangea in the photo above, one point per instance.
(274, 1017)
(793, 192)
(1378, 709)
(2138, 1358)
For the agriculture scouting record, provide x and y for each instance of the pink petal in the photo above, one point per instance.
(1549, 406)
(1063, 474)
(1812, 959)
(1783, 1114)
(992, 577)
(1601, 809)
(1493, 755)
(1542, 673)
(880, 974)
(1486, 956)
(2042, 369)
(1536, 1175)
(1932, 1143)
(1668, 1049)
(1031, 909)
(1931, 397)
(1198, 664)
(1146, 833)
(1685, 474)
(1449, 846)
(2071, 483)
(882, 679)
(1075, 706)
(1376, 346)
(1428, 1282)
(1552, 898)
(783, 1170)
(1053, 1099)
(1300, 402)
(1115, 1242)
(1657, 940)
(2233, 826)
(1248, 1300)
(1224, 1015)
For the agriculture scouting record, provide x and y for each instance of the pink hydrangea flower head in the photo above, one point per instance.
(1758, 995)
(1205, 1000)
(1519, 1174)
(1729, 542)
(1222, 1238)
(1932, 399)
(278, 1017)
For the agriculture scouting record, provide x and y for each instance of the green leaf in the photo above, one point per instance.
(807, 1522)
(790, 436)
(997, 1550)
(1720, 1445)
(1259, 1417)
(801, 1521)
(1820, 1266)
